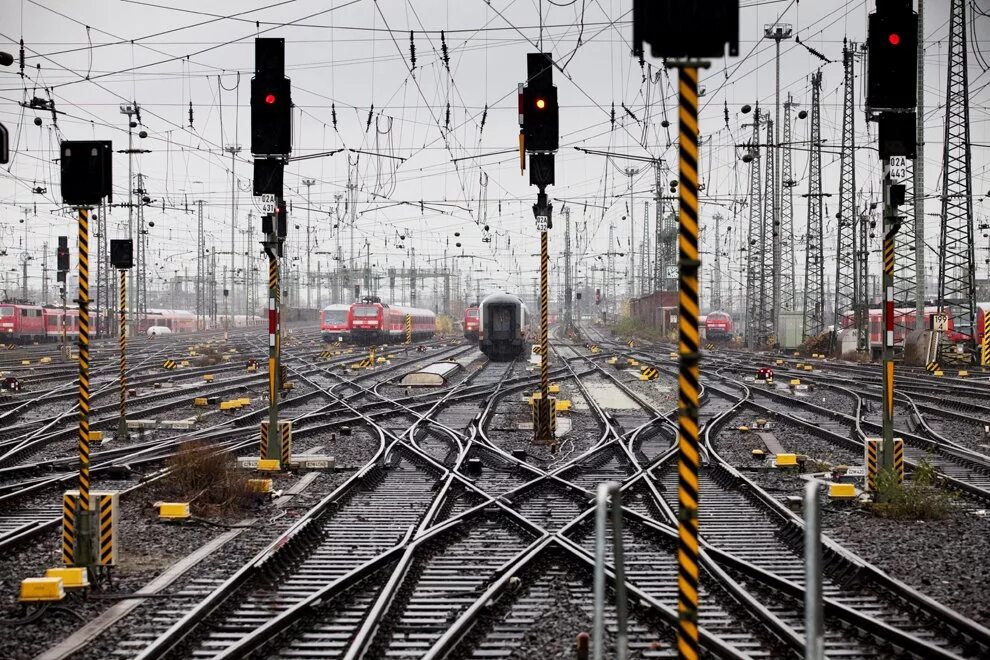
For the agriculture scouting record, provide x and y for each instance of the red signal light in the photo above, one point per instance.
(541, 103)
(270, 99)
(894, 39)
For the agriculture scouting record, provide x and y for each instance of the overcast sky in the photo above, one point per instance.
(354, 56)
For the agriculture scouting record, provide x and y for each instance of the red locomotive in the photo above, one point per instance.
(472, 322)
(718, 327)
(372, 321)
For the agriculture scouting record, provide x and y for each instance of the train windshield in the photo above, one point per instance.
(472, 313)
(337, 316)
(6, 311)
(365, 311)
(501, 320)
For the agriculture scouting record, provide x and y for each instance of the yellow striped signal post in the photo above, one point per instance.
(273, 450)
(409, 329)
(688, 379)
(122, 339)
(82, 520)
(893, 195)
(544, 426)
(985, 347)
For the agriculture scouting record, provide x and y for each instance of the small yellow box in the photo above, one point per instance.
(673, 356)
(230, 405)
(45, 360)
(613, 360)
(251, 368)
(184, 363)
(244, 401)
(743, 428)
(963, 373)
(95, 436)
(799, 365)
(200, 402)
(260, 485)
(269, 465)
(808, 367)
(72, 578)
(939, 373)
(380, 360)
(842, 491)
(208, 378)
(563, 405)
(795, 382)
(632, 362)
(173, 510)
(43, 589)
(554, 388)
(787, 460)
(25, 362)
(758, 453)
(778, 362)
(287, 386)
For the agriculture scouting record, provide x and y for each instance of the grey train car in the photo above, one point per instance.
(504, 327)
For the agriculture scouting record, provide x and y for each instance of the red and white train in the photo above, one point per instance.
(904, 323)
(372, 321)
(472, 322)
(23, 323)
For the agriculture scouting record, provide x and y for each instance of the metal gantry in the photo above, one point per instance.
(716, 300)
(770, 253)
(845, 248)
(957, 261)
(786, 291)
(814, 265)
(755, 245)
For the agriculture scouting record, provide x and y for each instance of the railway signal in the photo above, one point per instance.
(892, 47)
(86, 179)
(271, 143)
(122, 258)
(891, 94)
(539, 136)
(690, 30)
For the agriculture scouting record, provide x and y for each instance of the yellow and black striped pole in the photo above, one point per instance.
(890, 227)
(985, 350)
(544, 430)
(688, 381)
(273, 450)
(122, 339)
(83, 554)
(409, 333)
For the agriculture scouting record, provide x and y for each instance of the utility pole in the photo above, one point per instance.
(957, 259)
(607, 278)
(918, 181)
(756, 245)
(352, 191)
(309, 273)
(233, 150)
(631, 291)
(788, 283)
(814, 266)
(770, 279)
(44, 274)
(200, 285)
(716, 303)
(568, 292)
(778, 33)
(644, 253)
(846, 284)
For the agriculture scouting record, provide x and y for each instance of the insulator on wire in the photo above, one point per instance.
(613, 115)
(412, 51)
(726, 114)
(484, 117)
(333, 115)
(447, 121)
(190, 115)
(371, 111)
(443, 48)
(22, 58)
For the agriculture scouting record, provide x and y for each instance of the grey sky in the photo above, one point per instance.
(356, 53)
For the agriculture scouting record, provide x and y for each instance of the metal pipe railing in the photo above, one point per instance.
(605, 490)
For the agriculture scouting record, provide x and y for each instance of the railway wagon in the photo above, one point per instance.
(334, 323)
(504, 324)
(472, 322)
(373, 322)
(53, 323)
(904, 323)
